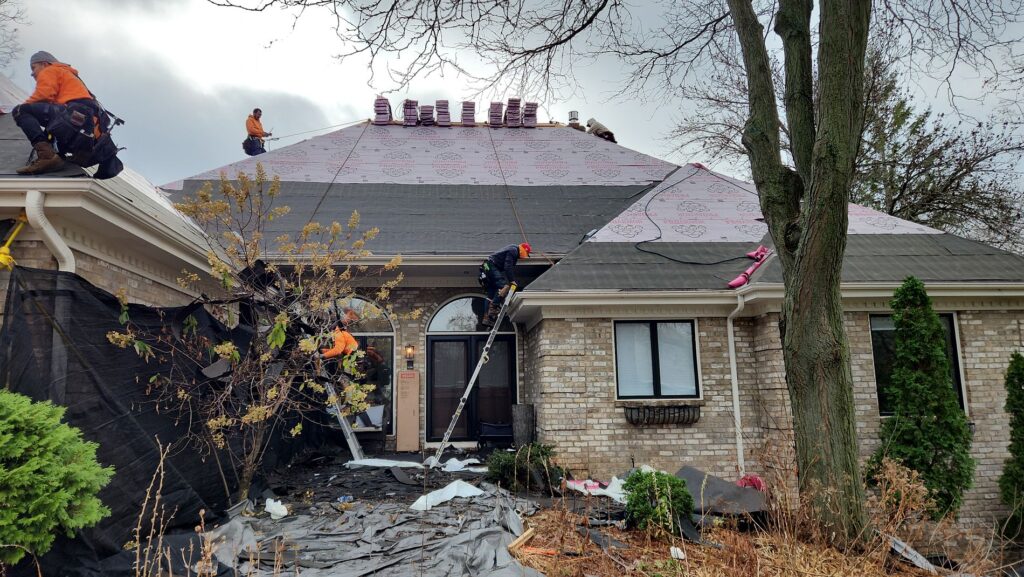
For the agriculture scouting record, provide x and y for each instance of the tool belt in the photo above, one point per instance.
(485, 271)
(253, 145)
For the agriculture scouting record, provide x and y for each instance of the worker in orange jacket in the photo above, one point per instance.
(57, 86)
(344, 343)
(254, 127)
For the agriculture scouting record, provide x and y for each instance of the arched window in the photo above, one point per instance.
(463, 315)
(455, 341)
(372, 327)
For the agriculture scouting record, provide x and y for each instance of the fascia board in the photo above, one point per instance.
(378, 259)
(120, 211)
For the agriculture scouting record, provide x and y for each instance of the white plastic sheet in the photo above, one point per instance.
(614, 489)
(458, 488)
(385, 463)
(276, 509)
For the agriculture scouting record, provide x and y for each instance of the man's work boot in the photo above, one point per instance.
(491, 316)
(46, 160)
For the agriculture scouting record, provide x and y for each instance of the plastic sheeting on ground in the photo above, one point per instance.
(457, 488)
(614, 489)
(716, 496)
(461, 537)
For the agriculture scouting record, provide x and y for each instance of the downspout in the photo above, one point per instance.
(37, 220)
(737, 420)
(34, 212)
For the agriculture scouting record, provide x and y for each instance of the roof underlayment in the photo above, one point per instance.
(478, 155)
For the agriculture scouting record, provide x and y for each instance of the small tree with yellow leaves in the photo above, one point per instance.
(288, 292)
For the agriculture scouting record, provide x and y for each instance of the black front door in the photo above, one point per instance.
(451, 360)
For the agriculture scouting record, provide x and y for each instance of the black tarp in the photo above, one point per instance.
(53, 346)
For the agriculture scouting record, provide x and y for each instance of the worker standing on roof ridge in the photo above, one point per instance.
(57, 85)
(254, 143)
(497, 273)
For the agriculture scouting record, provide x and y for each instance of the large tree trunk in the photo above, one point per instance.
(806, 212)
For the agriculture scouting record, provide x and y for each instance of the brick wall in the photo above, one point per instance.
(573, 386)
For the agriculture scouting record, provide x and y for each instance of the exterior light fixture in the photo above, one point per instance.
(410, 356)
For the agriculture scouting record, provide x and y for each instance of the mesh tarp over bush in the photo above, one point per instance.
(53, 346)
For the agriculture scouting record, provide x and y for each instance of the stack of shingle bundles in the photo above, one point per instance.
(530, 115)
(494, 115)
(410, 112)
(427, 115)
(443, 117)
(381, 110)
(513, 115)
(468, 113)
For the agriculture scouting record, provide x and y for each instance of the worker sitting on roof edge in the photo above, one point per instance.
(63, 108)
(254, 143)
(496, 274)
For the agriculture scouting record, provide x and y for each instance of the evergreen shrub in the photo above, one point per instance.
(49, 478)
(1011, 483)
(656, 500)
(928, 431)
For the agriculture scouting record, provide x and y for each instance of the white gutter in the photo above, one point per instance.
(737, 420)
(36, 216)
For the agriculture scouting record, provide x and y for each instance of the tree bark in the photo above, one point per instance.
(807, 216)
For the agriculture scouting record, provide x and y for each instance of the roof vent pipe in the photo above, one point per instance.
(574, 120)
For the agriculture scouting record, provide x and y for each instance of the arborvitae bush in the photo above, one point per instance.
(530, 467)
(656, 500)
(928, 431)
(49, 478)
(1011, 484)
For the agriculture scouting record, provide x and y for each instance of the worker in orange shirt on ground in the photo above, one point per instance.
(57, 86)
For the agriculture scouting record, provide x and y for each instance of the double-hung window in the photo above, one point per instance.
(883, 348)
(656, 359)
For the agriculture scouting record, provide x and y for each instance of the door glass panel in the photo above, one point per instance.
(494, 398)
(377, 366)
(448, 362)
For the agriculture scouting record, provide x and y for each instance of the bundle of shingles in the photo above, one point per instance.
(494, 114)
(443, 117)
(427, 115)
(468, 113)
(513, 115)
(530, 115)
(410, 112)
(381, 110)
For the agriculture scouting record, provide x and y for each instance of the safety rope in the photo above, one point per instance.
(511, 199)
(316, 129)
(340, 168)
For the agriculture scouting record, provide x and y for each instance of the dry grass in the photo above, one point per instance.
(746, 554)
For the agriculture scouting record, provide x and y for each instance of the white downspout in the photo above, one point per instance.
(737, 420)
(36, 216)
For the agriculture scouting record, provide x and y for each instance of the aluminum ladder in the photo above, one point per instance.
(350, 436)
(476, 373)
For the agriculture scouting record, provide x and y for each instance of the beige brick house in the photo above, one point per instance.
(626, 340)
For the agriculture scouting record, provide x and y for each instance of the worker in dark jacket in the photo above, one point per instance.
(497, 273)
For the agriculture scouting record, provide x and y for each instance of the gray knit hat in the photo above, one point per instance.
(42, 56)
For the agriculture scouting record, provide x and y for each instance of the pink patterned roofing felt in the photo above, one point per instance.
(695, 204)
(396, 154)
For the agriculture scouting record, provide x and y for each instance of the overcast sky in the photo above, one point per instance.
(185, 74)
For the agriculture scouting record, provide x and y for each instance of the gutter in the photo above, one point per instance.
(36, 215)
(737, 419)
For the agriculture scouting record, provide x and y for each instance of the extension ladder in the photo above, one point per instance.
(346, 429)
(476, 373)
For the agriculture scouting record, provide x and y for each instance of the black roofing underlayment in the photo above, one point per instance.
(929, 257)
(452, 220)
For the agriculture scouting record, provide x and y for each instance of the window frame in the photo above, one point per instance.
(655, 358)
(957, 360)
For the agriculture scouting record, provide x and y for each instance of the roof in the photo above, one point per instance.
(454, 190)
(699, 225)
